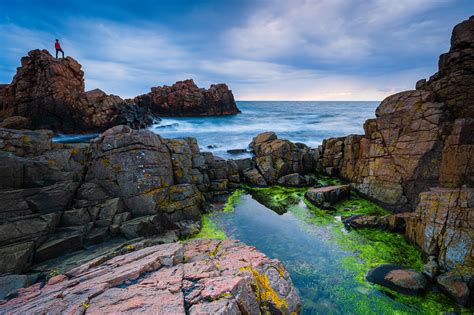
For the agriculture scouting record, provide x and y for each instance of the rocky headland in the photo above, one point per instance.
(416, 159)
(49, 93)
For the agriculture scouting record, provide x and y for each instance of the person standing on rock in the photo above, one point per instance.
(58, 48)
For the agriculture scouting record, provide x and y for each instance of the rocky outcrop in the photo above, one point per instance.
(58, 197)
(418, 155)
(276, 158)
(185, 98)
(49, 93)
(420, 139)
(198, 277)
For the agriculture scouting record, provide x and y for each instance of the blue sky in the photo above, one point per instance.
(268, 49)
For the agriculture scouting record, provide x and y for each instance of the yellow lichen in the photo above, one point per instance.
(265, 293)
(74, 152)
(106, 162)
(52, 162)
(85, 305)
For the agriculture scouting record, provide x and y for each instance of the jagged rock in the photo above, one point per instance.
(199, 276)
(49, 93)
(453, 83)
(406, 281)
(325, 197)
(184, 98)
(276, 158)
(253, 176)
(442, 226)
(455, 286)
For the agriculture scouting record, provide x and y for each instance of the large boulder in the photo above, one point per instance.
(276, 158)
(202, 276)
(184, 98)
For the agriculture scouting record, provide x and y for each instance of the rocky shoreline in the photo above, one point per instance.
(416, 158)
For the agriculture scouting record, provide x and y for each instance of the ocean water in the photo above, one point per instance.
(306, 122)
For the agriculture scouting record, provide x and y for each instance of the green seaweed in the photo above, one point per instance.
(277, 198)
(209, 229)
(358, 205)
(233, 200)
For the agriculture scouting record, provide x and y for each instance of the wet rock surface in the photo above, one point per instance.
(402, 280)
(58, 198)
(201, 276)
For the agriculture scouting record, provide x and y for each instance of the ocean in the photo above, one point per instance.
(307, 122)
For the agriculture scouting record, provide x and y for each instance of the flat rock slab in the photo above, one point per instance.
(200, 276)
(325, 197)
(405, 281)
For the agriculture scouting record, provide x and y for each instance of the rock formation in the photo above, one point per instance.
(198, 277)
(57, 197)
(49, 93)
(276, 158)
(418, 154)
(184, 98)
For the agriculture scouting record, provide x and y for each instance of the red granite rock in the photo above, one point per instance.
(197, 277)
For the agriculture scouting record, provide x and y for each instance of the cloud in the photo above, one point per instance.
(275, 49)
(329, 31)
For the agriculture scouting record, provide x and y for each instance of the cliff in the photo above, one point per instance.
(48, 93)
(418, 155)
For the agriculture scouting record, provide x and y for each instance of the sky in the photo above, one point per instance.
(263, 49)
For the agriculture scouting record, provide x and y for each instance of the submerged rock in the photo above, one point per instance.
(325, 197)
(202, 276)
(455, 286)
(406, 281)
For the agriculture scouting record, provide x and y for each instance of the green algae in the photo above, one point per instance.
(368, 248)
(324, 180)
(209, 229)
(358, 205)
(233, 200)
(277, 198)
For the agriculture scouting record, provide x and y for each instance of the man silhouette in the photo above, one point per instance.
(58, 48)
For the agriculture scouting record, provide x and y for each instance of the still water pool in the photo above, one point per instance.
(327, 263)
